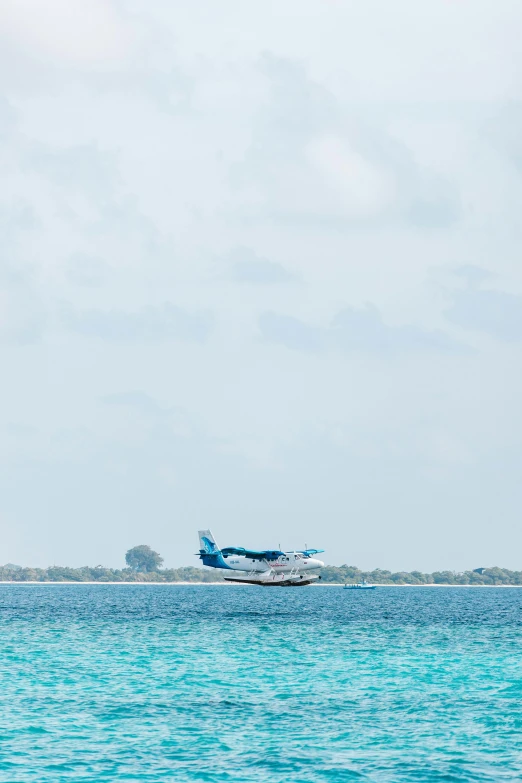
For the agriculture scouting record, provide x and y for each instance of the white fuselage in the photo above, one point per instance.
(284, 564)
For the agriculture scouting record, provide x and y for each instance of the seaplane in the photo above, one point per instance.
(266, 567)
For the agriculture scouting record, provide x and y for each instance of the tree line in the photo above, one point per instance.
(144, 565)
(479, 576)
(101, 574)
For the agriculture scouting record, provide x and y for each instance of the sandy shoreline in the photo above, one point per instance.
(226, 584)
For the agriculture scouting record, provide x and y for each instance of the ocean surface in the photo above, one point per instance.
(210, 683)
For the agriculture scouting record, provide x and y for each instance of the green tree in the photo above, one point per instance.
(143, 558)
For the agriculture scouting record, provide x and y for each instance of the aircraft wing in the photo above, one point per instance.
(310, 552)
(253, 554)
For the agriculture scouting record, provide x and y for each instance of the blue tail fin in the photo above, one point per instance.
(209, 551)
(207, 543)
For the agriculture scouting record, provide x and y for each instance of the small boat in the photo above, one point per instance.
(360, 586)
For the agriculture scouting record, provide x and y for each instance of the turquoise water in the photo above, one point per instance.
(210, 683)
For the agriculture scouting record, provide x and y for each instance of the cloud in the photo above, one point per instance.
(135, 399)
(83, 168)
(355, 330)
(22, 315)
(504, 130)
(75, 31)
(19, 430)
(496, 313)
(150, 324)
(248, 267)
(363, 187)
(364, 330)
(173, 419)
(86, 271)
(435, 205)
(316, 161)
(17, 220)
(474, 276)
(291, 332)
(8, 119)
(22, 311)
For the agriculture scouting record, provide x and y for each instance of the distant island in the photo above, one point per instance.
(144, 565)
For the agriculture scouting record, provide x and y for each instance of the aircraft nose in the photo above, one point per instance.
(317, 563)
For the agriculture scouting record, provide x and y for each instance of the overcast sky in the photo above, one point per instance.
(261, 271)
